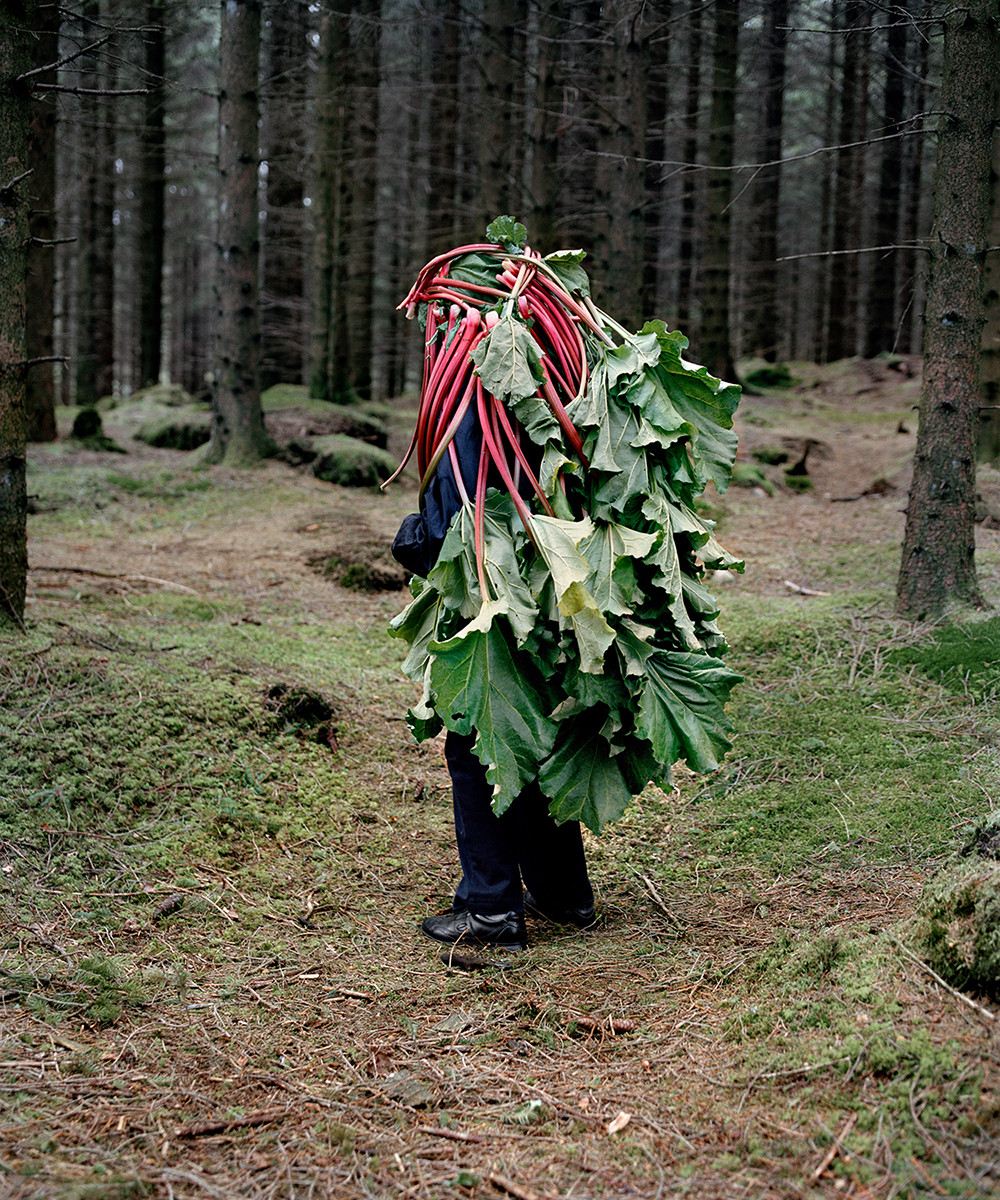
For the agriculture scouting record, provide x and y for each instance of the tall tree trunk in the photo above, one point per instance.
(40, 382)
(440, 62)
(328, 375)
(238, 434)
(687, 249)
(938, 558)
(151, 197)
(658, 76)
(501, 137)
(620, 193)
(988, 448)
(821, 306)
(909, 262)
(95, 341)
(282, 268)
(883, 320)
(543, 185)
(843, 322)
(15, 118)
(763, 334)
(714, 346)
(362, 195)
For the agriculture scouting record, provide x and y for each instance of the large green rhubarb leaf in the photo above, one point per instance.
(705, 403)
(682, 700)
(508, 360)
(611, 550)
(478, 686)
(582, 778)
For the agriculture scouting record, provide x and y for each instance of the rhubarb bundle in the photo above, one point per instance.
(567, 620)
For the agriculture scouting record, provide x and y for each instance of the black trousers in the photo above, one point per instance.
(524, 846)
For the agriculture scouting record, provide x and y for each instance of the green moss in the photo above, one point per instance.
(350, 463)
(965, 657)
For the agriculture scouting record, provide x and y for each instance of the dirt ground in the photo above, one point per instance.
(339, 1063)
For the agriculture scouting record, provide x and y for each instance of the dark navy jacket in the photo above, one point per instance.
(418, 542)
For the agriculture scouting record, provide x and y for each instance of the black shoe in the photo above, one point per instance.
(582, 918)
(505, 929)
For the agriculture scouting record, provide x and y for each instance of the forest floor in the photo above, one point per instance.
(217, 840)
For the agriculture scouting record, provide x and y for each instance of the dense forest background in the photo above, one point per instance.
(722, 164)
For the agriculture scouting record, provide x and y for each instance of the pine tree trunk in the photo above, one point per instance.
(238, 434)
(620, 193)
(842, 332)
(15, 118)
(763, 335)
(988, 446)
(938, 558)
(541, 217)
(714, 346)
(882, 323)
(40, 395)
(282, 268)
(498, 188)
(95, 276)
(687, 248)
(363, 179)
(151, 197)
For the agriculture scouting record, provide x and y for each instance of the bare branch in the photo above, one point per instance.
(78, 91)
(859, 250)
(54, 66)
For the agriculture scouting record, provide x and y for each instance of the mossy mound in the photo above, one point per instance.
(350, 463)
(179, 429)
(368, 567)
(295, 425)
(957, 924)
(162, 395)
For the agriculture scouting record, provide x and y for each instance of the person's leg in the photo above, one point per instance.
(491, 881)
(552, 859)
(488, 908)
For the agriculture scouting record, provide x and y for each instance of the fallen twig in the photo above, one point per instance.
(984, 1012)
(181, 587)
(836, 1148)
(208, 1128)
(455, 1135)
(802, 591)
(515, 1189)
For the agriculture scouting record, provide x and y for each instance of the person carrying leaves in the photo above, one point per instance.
(560, 622)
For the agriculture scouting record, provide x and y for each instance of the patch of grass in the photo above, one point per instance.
(964, 658)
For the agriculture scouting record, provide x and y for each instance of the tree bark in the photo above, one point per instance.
(95, 350)
(328, 377)
(238, 434)
(362, 196)
(988, 448)
(883, 320)
(498, 187)
(843, 322)
(40, 395)
(687, 248)
(151, 197)
(619, 233)
(938, 558)
(282, 269)
(543, 186)
(15, 117)
(763, 334)
(714, 346)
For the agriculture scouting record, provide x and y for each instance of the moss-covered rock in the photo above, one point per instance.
(179, 429)
(349, 462)
(162, 395)
(957, 925)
